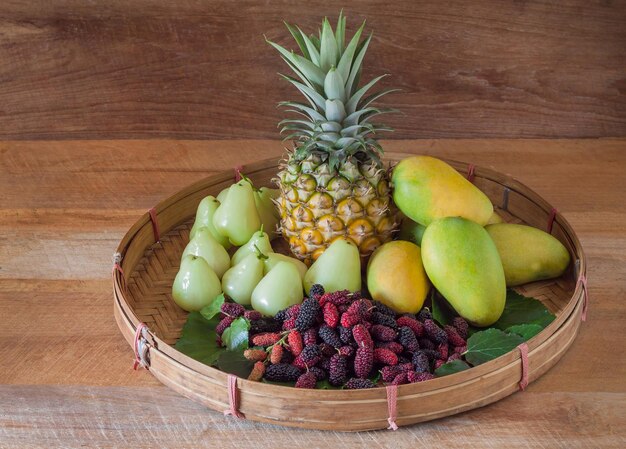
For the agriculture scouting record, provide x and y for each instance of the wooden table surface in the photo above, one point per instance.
(65, 370)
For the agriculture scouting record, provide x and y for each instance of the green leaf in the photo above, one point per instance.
(235, 337)
(199, 340)
(489, 344)
(526, 331)
(522, 310)
(213, 309)
(328, 47)
(297, 35)
(234, 362)
(455, 366)
(439, 309)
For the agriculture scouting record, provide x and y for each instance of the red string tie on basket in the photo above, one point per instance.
(551, 218)
(583, 281)
(117, 259)
(470, 172)
(523, 352)
(140, 348)
(238, 169)
(155, 224)
(392, 404)
(233, 398)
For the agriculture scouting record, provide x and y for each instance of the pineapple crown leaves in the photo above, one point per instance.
(337, 113)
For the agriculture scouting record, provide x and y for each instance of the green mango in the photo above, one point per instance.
(338, 268)
(196, 285)
(240, 281)
(426, 188)
(268, 212)
(463, 263)
(274, 259)
(205, 246)
(237, 217)
(204, 218)
(528, 254)
(258, 242)
(411, 231)
(279, 289)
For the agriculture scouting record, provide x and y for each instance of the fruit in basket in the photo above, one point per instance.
(204, 218)
(426, 188)
(240, 280)
(222, 195)
(528, 254)
(268, 212)
(274, 259)
(495, 218)
(204, 245)
(259, 242)
(237, 217)
(196, 285)
(280, 288)
(463, 263)
(396, 276)
(338, 268)
(411, 231)
(333, 183)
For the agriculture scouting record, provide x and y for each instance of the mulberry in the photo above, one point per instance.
(310, 336)
(389, 373)
(257, 371)
(363, 361)
(385, 320)
(338, 298)
(264, 325)
(329, 336)
(362, 308)
(223, 324)
(276, 354)
(453, 336)
(454, 356)
(252, 315)
(294, 340)
(358, 384)
(421, 363)
(306, 380)
(406, 337)
(316, 291)
(349, 319)
(393, 346)
(232, 309)
(338, 372)
(438, 363)
(324, 363)
(416, 326)
(361, 336)
(287, 357)
(345, 335)
(385, 356)
(460, 349)
(282, 373)
(414, 377)
(425, 343)
(461, 325)
(289, 312)
(434, 332)
(384, 309)
(289, 324)
(327, 350)
(424, 314)
(431, 354)
(255, 355)
(442, 349)
(385, 333)
(331, 314)
(346, 351)
(265, 339)
(400, 379)
(307, 316)
(310, 355)
(319, 373)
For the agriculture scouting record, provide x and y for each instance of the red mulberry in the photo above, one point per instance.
(453, 357)
(310, 336)
(306, 380)
(346, 351)
(252, 315)
(453, 336)
(282, 373)
(384, 333)
(294, 339)
(461, 325)
(338, 372)
(393, 346)
(363, 361)
(289, 324)
(265, 339)
(255, 354)
(358, 384)
(361, 336)
(331, 314)
(307, 316)
(406, 337)
(400, 379)
(257, 371)
(338, 298)
(362, 308)
(434, 332)
(389, 373)
(223, 324)
(232, 309)
(385, 356)
(416, 326)
(276, 354)
(438, 363)
(415, 377)
(460, 349)
(442, 349)
(349, 319)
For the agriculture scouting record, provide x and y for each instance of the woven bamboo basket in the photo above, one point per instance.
(148, 258)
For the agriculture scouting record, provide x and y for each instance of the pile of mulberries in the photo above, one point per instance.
(348, 340)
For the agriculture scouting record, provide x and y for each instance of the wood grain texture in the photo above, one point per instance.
(65, 205)
(201, 69)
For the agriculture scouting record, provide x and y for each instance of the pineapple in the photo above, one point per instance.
(333, 183)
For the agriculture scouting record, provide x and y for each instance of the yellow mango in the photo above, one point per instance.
(463, 263)
(396, 276)
(528, 254)
(426, 188)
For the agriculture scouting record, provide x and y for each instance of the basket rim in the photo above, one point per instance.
(219, 377)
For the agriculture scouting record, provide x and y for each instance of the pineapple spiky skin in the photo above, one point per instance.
(318, 206)
(333, 184)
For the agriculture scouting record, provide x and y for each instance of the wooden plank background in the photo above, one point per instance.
(72, 69)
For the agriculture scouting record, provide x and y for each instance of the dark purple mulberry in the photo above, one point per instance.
(338, 372)
(310, 355)
(384, 333)
(307, 316)
(223, 324)
(385, 320)
(382, 308)
(414, 377)
(454, 338)
(306, 380)
(309, 337)
(389, 373)
(424, 314)
(406, 337)
(431, 354)
(461, 325)
(421, 363)
(319, 373)
(434, 332)
(358, 384)
(327, 350)
(409, 321)
(425, 343)
(267, 324)
(345, 335)
(363, 361)
(329, 336)
(252, 315)
(232, 309)
(316, 291)
(281, 373)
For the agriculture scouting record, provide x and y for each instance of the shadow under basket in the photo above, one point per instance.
(148, 259)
